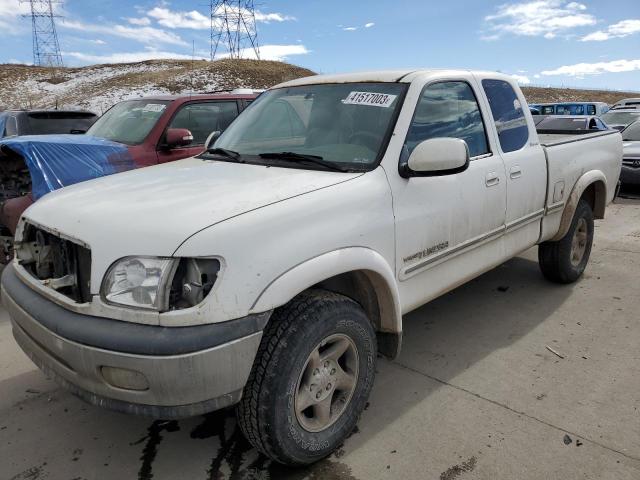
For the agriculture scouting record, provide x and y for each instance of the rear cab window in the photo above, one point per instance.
(447, 109)
(511, 123)
(54, 122)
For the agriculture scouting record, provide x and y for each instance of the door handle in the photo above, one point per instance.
(515, 172)
(492, 179)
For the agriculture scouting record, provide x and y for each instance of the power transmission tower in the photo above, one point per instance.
(233, 23)
(46, 49)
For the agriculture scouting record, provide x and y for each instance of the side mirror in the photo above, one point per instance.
(437, 156)
(178, 137)
(211, 139)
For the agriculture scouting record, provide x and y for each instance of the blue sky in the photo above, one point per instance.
(592, 43)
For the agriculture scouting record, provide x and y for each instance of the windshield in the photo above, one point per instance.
(345, 124)
(632, 133)
(129, 122)
(620, 118)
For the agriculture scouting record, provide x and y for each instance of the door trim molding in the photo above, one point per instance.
(426, 263)
(411, 270)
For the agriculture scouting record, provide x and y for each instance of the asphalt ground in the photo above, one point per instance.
(477, 393)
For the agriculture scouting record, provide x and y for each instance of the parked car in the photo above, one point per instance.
(570, 124)
(630, 174)
(43, 122)
(132, 134)
(271, 270)
(628, 102)
(619, 118)
(571, 108)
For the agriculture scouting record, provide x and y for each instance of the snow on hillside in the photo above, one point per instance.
(98, 87)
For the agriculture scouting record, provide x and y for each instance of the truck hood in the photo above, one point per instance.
(151, 211)
(56, 161)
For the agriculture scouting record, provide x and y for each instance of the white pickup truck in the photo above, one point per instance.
(270, 271)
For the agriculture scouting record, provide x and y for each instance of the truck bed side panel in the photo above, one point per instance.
(568, 159)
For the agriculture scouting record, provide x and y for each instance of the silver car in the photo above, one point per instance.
(630, 174)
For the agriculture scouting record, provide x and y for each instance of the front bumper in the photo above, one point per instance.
(187, 371)
(630, 175)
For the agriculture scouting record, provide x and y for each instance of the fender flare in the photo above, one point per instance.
(318, 269)
(587, 179)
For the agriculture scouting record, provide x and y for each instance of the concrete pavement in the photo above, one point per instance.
(476, 394)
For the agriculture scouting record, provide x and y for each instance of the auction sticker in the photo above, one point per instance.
(370, 99)
(154, 107)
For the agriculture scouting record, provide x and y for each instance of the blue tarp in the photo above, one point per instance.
(56, 161)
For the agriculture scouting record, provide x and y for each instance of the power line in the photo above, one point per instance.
(46, 49)
(233, 25)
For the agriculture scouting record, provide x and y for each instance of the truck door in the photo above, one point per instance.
(524, 160)
(200, 118)
(441, 221)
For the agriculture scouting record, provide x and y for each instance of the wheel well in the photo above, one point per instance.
(370, 291)
(596, 195)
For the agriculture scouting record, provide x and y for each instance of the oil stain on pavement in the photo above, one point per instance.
(234, 458)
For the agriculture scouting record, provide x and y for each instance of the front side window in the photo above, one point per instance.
(508, 115)
(346, 125)
(129, 122)
(548, 110)
(203, 118)
(591, 109)
(447, 109)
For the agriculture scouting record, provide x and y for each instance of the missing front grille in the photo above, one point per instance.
(61, 264)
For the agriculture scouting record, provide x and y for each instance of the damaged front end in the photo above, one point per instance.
(60, 264)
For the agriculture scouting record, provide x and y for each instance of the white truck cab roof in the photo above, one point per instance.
(404, 76)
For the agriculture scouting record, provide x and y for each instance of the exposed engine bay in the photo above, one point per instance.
(15, 196)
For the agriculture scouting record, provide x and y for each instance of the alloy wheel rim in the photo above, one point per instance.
(579, 242)
(326, 383)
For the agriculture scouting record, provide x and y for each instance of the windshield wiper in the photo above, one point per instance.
(299, 157)
(223, 152)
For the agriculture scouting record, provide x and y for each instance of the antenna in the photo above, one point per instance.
(46, 49)
(233, 23)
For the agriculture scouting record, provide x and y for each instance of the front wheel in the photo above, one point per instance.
(564, 261)
(311, 378)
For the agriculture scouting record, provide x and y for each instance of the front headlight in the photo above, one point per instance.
(139, 282)
(160, 284)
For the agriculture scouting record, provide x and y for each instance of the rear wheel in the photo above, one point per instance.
(564, 261)
(311, 378)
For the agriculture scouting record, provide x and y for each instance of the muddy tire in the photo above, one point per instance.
(564, 261)
(310, 380)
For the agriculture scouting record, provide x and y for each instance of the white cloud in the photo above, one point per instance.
(521, 79)
(597, 68)
(546, 18)
(128, 57)
(10, 12)
(198, 21)
(142, 21)
(350, 29)
(272, 52)
(98, 42)
(369, 25)
(537, 75)
(621, 29)
(148, 35)
(170, 19)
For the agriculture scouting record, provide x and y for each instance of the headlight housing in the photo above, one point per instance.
(159, 283)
